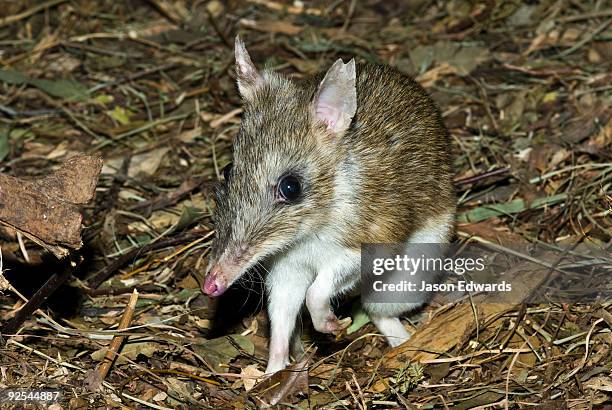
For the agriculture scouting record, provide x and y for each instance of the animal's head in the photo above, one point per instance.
(281, 184)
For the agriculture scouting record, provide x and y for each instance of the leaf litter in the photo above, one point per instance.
(524, 90)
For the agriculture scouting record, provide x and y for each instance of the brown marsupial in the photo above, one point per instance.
(356, 155)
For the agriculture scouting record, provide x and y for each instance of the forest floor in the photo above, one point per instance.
(525, 90)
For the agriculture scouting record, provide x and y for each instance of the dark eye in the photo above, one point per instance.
(226, 171)
(289, 188)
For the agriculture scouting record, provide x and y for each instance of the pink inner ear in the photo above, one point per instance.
(328, 114)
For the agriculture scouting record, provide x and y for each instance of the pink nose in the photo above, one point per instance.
(214, 284)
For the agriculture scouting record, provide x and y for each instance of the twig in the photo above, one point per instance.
(490, 405)
(133, 77)
(167, 258)
(168, 199)
(97, 50)
(28, 113)
(4, 284)
(225, 118)
(167, 10)
(586, 16)
(507, 384)
(556, 172)
(213, 22)
(348, 387)
(552, 267)
(585, 40)
(475, 354)
(582, 362)
(117, 341)
(479, 177)
(22, 247)
(363, 402)
(16, 17)
(485, 102)
(349, 15)
(290, 9)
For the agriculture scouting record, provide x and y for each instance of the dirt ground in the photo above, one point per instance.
(525, 89)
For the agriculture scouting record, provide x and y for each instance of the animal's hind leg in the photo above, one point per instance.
(386, 318)
(392, 329)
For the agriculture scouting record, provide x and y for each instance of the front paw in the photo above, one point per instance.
(331, 324)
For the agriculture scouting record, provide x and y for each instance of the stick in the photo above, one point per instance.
(16, 17)
(585, 40)
(117, 341)
(484, 175)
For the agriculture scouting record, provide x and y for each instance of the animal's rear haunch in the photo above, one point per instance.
(357, 155)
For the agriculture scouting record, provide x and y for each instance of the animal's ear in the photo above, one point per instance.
(335, 102)
(246, 73)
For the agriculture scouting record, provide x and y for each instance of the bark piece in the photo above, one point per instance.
(46, 210)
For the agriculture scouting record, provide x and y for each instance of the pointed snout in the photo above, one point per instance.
(225, 270)
(215, 283)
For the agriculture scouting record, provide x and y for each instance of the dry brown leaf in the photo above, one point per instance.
(492, 231)
(252, 376)
(429, 77)
(285, 385)
(147, 163)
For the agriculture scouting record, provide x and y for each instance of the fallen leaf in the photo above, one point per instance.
(59, 151)
(188, 282)
(507, 208)
(20, 134)
(181, 388)
(497, 233)
(429, 77)
(252, 376)
(147, 163)
(120, 114)
(220, 351)
(64, 63)
(190, 135)
(462, 58)
(360, 319)
(286, 384)
(325, 370)
(62, 88)
(160, 396)
(522, 16)
(128, 351)
(189, 215)
(13, 77)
